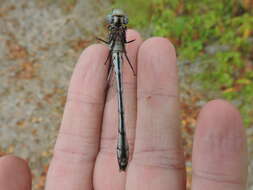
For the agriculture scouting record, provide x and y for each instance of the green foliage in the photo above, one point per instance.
(195, 25)
(139, 15)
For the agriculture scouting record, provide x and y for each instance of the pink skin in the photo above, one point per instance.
(85, 157)
(14, 174)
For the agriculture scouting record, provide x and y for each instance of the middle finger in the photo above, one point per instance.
(158, 161)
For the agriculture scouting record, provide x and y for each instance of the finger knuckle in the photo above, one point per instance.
(75, 148)
(161, 158)
(218, 177)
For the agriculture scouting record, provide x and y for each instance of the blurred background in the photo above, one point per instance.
(41, 40)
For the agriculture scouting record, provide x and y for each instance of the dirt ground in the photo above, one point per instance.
(39, 46)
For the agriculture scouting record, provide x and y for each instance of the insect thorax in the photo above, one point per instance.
(118, 46)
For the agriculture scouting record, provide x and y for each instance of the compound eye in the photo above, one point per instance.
(125, 20)
(109, 19)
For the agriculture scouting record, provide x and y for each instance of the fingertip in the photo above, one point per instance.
(219, 148)
(92, 52)
(220, 119)
(16, 169)
(160, 54)
(159, 45)
(221, 115)
(132, 49)
(157, 63)
(90, 72)
(220, 105)
(15, 162)
(133, 35)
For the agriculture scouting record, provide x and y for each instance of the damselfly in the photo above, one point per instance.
(117, 22)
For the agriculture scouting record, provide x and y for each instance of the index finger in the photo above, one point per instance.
(78, 140)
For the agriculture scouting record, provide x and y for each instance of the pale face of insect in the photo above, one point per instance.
(117, 18)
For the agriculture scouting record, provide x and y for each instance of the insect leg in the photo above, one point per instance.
(130, 41)
(110, 53)
(129, 63)
(124, 37)
(109, 56)
(125, 53)
(110, 68)
(102, 40)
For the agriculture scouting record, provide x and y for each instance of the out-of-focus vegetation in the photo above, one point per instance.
(66, 5)
(194, 26)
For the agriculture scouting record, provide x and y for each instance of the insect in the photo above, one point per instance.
(117, 22)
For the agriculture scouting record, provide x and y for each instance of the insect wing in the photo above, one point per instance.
(111, 89)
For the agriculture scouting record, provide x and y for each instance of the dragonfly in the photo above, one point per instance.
(117, 26)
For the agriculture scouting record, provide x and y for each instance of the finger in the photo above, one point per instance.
(78, 140)
(14, 174)
(107, 167)
(158, 161)
(219, 149)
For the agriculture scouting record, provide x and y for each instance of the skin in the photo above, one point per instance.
(84, 155)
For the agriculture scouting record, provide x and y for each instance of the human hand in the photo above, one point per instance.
(85, 151)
